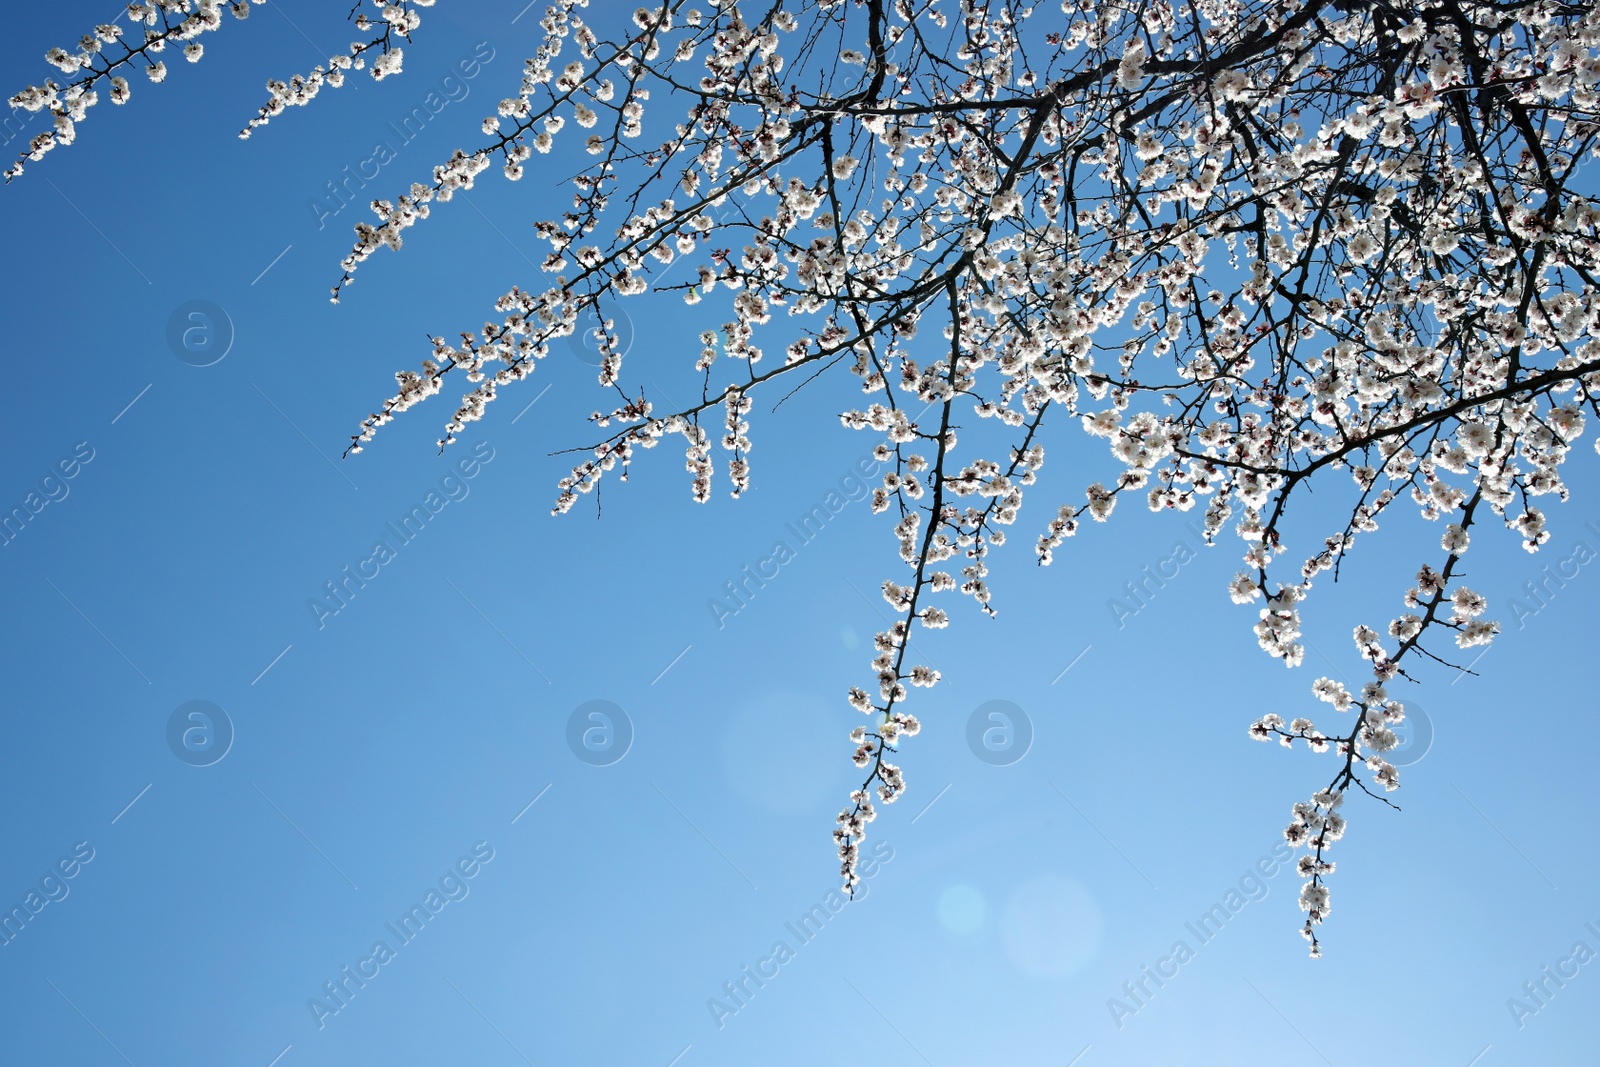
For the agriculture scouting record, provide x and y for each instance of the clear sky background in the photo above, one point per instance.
(371, 755)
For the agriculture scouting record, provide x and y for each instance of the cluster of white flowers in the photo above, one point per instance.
(1362, 311)
(100, 58)
(396, 20)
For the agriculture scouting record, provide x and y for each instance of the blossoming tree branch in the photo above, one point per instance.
(1248, 243)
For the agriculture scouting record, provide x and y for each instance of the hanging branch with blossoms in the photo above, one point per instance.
(397, 21)
(1244, 242)
(104, 58)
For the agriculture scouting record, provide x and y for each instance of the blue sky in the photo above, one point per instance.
(381, 752)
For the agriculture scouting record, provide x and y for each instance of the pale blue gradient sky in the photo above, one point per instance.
(374, 753)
